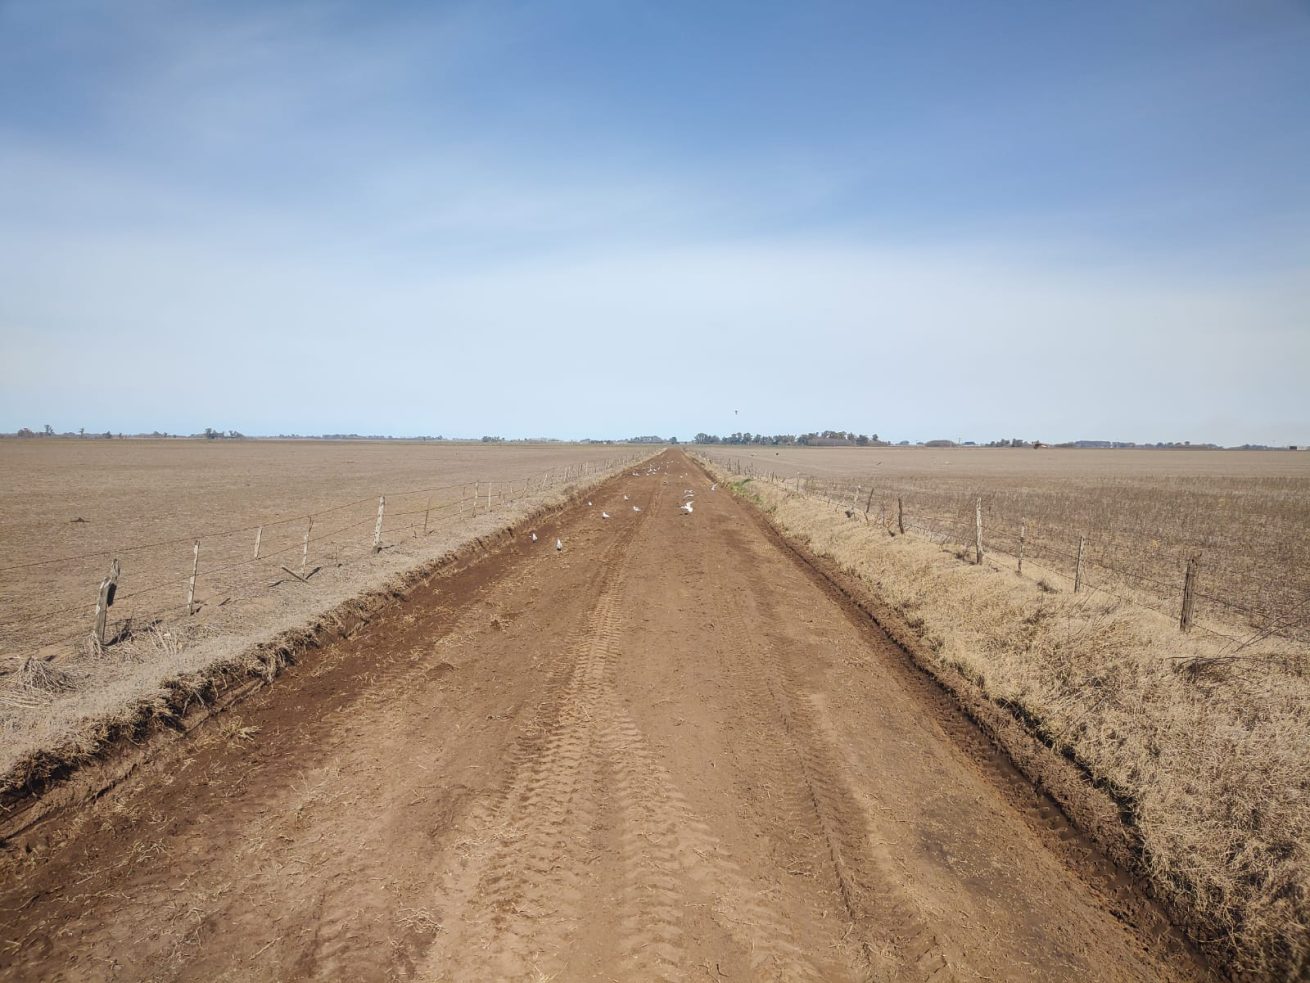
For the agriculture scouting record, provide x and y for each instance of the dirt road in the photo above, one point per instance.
(664, 752)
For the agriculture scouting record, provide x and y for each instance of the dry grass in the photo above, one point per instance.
(1204, 743)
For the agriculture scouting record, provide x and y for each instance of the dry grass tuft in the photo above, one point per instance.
(36, 681)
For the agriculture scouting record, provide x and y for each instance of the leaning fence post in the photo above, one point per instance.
(304, 551)
(191, 584)
(427, 512)
(259, 535)
(1078, 568)
(1023, 535)
(977, 531)
(1189, 593)
(900, 515)
(105, 599)
(868, 505)
(377, 526)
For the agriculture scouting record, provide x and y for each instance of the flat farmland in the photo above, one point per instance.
(1142, 514)
(69, 507)
(668, 751)
(88, 500)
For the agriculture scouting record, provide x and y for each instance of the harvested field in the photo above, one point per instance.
(71, 506)
(1246, 515)
(667, 751)
(1201, 740)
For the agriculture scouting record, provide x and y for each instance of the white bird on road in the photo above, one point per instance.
(588, 503)
(559, 545)
(714, 487)
(686, 507)
(604, 515)
(534, 537)
(635, 509)
(625, 498)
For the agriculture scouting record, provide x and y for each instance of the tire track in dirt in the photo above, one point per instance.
(587, 760)
(895, 941)
(511, 897)
(342, 913)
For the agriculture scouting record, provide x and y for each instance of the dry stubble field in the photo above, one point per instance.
(1143, 513)
(69, 506)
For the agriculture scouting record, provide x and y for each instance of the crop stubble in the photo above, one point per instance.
(1143, 512)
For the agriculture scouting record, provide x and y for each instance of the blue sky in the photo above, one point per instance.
(1051, 220)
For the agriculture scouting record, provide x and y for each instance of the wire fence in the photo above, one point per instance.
(89, 596)
(1210, 585)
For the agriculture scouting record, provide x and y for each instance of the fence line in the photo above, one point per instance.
(979, 530)
(499, 493)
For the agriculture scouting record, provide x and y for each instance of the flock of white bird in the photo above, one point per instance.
(686, 508)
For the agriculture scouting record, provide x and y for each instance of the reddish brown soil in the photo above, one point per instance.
(666, 752)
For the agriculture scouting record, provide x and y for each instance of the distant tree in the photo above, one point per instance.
(81, 431)
(48, 430)
(211, 433)
(862, 440)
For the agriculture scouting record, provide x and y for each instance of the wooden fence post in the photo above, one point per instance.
(977, 532)
(304, 550)
(427, 512)
(1189, 593)
(867, 505)
(1078, 568)
(259, 536)
(1023, 535)
(105, 599)
(476, 485)
(900, 515)
(490, 485)
(377, 526)
(191, 584)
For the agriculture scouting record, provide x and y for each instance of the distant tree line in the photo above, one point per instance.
(818, 438)
(49, 431)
